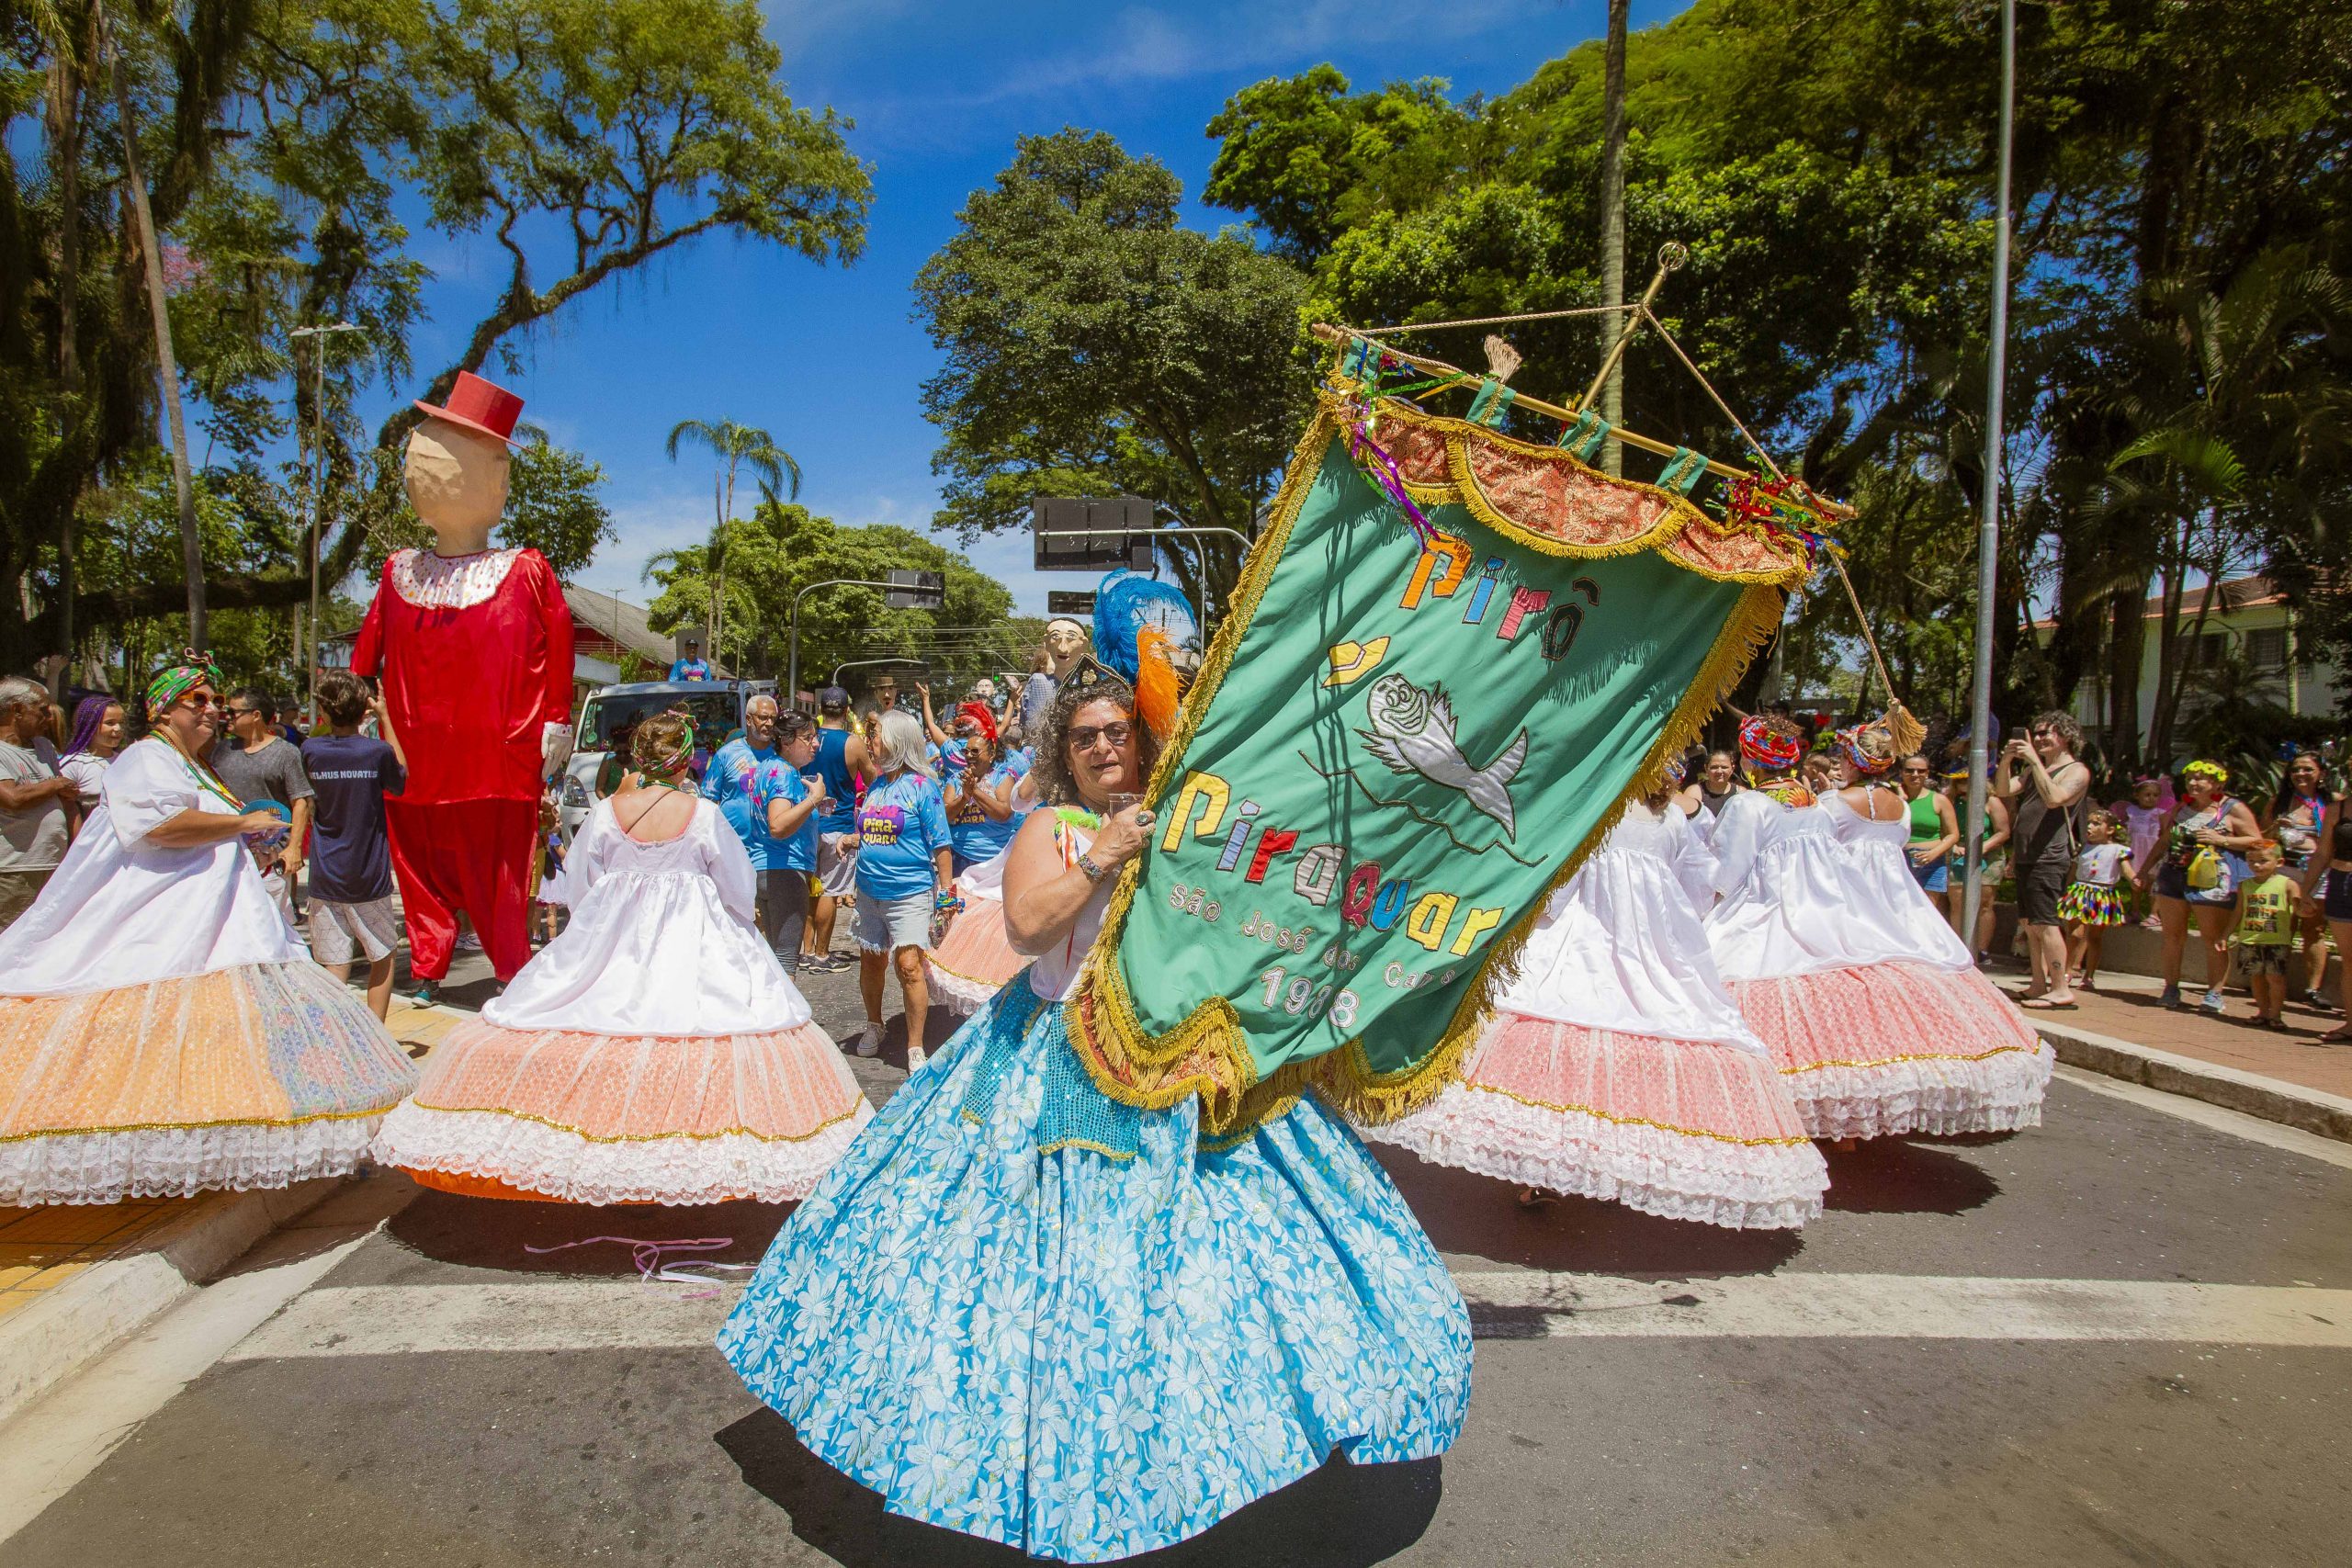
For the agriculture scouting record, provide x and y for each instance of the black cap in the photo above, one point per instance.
(832, 699)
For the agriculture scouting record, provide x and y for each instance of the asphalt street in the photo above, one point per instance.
(2123, 1338)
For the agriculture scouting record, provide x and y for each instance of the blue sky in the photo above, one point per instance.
(827, 359)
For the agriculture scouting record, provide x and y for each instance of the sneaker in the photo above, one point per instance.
(2213, 1002)
(424, 993)
(2172, 999)
(868, 1042)
(916, 1056)
(469, 943)
(2317, 1002)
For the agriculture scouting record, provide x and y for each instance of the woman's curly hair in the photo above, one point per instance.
(1050, 767)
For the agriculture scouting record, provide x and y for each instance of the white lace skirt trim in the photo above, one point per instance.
(1934, 1097)
(178, 1162)
(567, 1166)
(956, 994)
(1763, 1186)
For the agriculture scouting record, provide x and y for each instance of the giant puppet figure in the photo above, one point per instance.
(474, 646)
(1064, 645)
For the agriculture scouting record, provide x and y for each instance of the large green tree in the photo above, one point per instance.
(2180, 188)
(1095, 346)
(583, 139)
(783, 549)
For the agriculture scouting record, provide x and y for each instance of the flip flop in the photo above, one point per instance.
(2043, 1004)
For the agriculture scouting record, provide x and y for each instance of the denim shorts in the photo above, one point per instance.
(1934, 877)
(885, 925)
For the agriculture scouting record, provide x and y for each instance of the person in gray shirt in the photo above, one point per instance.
(34, 826)
(257, 766)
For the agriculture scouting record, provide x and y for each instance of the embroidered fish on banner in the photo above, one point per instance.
(1413, 732)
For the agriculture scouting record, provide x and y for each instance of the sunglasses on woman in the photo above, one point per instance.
(1083, 737)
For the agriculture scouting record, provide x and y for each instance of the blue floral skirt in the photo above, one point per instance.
(1019, 1309)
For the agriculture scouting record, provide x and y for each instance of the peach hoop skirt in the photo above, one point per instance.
(581, 1118)
(1878, 1050)
(259, 1075)
(974, 960)
(1676, 1128)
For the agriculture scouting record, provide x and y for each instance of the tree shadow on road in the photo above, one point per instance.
(1901, 1176)
(1343, 1516)
(1476, 1214)
(494, 1233)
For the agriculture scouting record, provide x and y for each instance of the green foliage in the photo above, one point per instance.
(783, 548)
(1095, 348)
(583, 139)
(2178, 362)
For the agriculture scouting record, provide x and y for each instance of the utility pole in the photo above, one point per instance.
(167, 363)
(1988, 527)
(1612, 228)
(318, 481)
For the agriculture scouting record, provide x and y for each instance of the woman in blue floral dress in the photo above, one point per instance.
(1021, 1309)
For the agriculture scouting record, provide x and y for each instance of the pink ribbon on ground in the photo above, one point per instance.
(652, 1256)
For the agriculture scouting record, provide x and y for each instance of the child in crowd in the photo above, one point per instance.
(548, 898)
(2143, 818)
(2094, 899)
(352, 910)
(2264, 927)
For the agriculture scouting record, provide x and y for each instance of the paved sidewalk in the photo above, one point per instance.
(2126, 1007)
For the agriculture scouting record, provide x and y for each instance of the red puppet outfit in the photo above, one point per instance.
(475, 653)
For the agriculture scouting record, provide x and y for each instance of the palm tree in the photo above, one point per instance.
(737, 447)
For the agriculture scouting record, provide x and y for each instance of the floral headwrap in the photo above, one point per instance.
(1869, 747)
(1768, 747)
(177, 680)
(2214, 770)
(1677, 772)
(671, 760)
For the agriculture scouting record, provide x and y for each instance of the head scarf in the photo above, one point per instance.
(978, 714)
(2214, 770)
(1676, 772)
(1858, 743)
(177, 680)
(669, 762)
(1761, 743)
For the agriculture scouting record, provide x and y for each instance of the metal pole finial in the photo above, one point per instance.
(1673, 255)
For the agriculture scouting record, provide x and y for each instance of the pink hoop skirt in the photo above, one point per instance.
(972, 964)
(1670, 1127)
(585, 1118)
(1879, 1050)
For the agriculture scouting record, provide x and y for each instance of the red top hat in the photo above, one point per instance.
(480, 407)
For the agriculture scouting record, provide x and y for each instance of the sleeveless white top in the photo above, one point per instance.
(1054, 974)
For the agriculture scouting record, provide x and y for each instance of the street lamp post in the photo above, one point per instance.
(1988, 528)
(792, 659)
(318, 481)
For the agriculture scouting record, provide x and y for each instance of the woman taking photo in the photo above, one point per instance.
(2294, 819)
(2202, 860)
(1026, 1311)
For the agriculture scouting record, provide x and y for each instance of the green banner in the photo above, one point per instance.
(1402, 739)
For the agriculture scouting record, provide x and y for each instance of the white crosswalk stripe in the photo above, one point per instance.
(601, 1314)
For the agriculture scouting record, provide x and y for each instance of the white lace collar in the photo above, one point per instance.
(434, 581)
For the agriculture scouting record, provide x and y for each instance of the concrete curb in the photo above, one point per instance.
(71, 1325)
(2272, 1100)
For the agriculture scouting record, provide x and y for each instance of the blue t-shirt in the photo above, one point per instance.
(902, 824)
(777, 780)
(832, 764)
(979, 836)
(689, 669)
(727, 783)
(351, 861)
